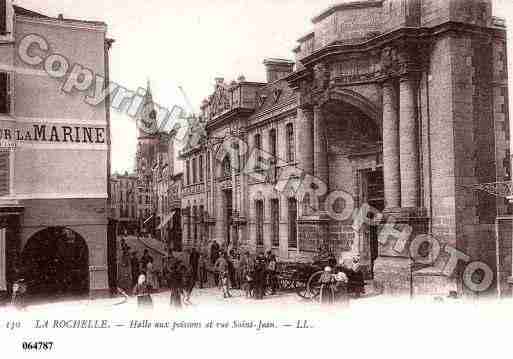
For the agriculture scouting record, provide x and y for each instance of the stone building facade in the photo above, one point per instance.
(130, 206)
(54, 185)
(395, 107)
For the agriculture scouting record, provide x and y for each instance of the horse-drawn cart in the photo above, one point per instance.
(304, 277)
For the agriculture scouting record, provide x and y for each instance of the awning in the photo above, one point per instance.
(148, 219)
(166, 220)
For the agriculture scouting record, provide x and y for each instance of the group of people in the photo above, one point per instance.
(232, 269)
(132, 266)
(178, 276)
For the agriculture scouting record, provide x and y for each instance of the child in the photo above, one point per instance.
(225, 284)
(248, 284)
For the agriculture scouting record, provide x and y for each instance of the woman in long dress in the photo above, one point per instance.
(175, 283)
(327, 281)
(151, 276)
(143, 293)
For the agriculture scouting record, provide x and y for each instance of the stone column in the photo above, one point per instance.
(321, 169)
(391, 172)
(305, 140)
(409, 157)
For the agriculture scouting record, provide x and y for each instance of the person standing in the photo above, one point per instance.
(221, 266)
(151, 276)
(143, 293)
(214, 252)
(134, 264)
(271, 271)
(202, 270)
(237, 270)
(189, 282)
(193, 264)
(145, 259)
(260, 276)
(225, 284)
(327, 291)
(175, 283)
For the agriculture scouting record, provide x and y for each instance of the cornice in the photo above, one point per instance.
(72, 24)
(346, 6)
(378, 42)
(227, 116)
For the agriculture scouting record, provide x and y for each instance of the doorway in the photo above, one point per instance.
(373, 194)
(55, 264)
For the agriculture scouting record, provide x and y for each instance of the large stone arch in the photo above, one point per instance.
(355, 99)
(55, 262)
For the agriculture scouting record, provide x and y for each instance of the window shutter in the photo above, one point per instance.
(4, 173)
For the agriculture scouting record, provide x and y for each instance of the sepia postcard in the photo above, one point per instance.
(272, 178)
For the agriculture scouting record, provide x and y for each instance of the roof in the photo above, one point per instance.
(275, 94)
(33, 14)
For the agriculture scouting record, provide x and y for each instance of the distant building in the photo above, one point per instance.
(155, 170)
(125, 198)
(54, 156)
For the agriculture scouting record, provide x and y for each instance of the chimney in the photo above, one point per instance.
(278, 68)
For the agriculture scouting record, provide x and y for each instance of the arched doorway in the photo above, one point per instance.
(354, 141)
(55, 263)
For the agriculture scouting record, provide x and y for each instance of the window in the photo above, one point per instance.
(259, 207)
(188, 214)
(290, 143)
(195, 219)
(194, 171)
(292, 223)
(188, 172)
(3, 18)
(258, 148)
(208, 166)
(201, 222)
(227, 166)
(201, 168)
(273, 143)
(275, 222)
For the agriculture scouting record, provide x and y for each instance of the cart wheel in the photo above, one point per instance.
(313, 286)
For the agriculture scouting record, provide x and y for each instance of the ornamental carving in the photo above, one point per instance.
(400, 59)
(321, 76)
(220, 101)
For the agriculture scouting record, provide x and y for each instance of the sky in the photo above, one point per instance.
(189, 43)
